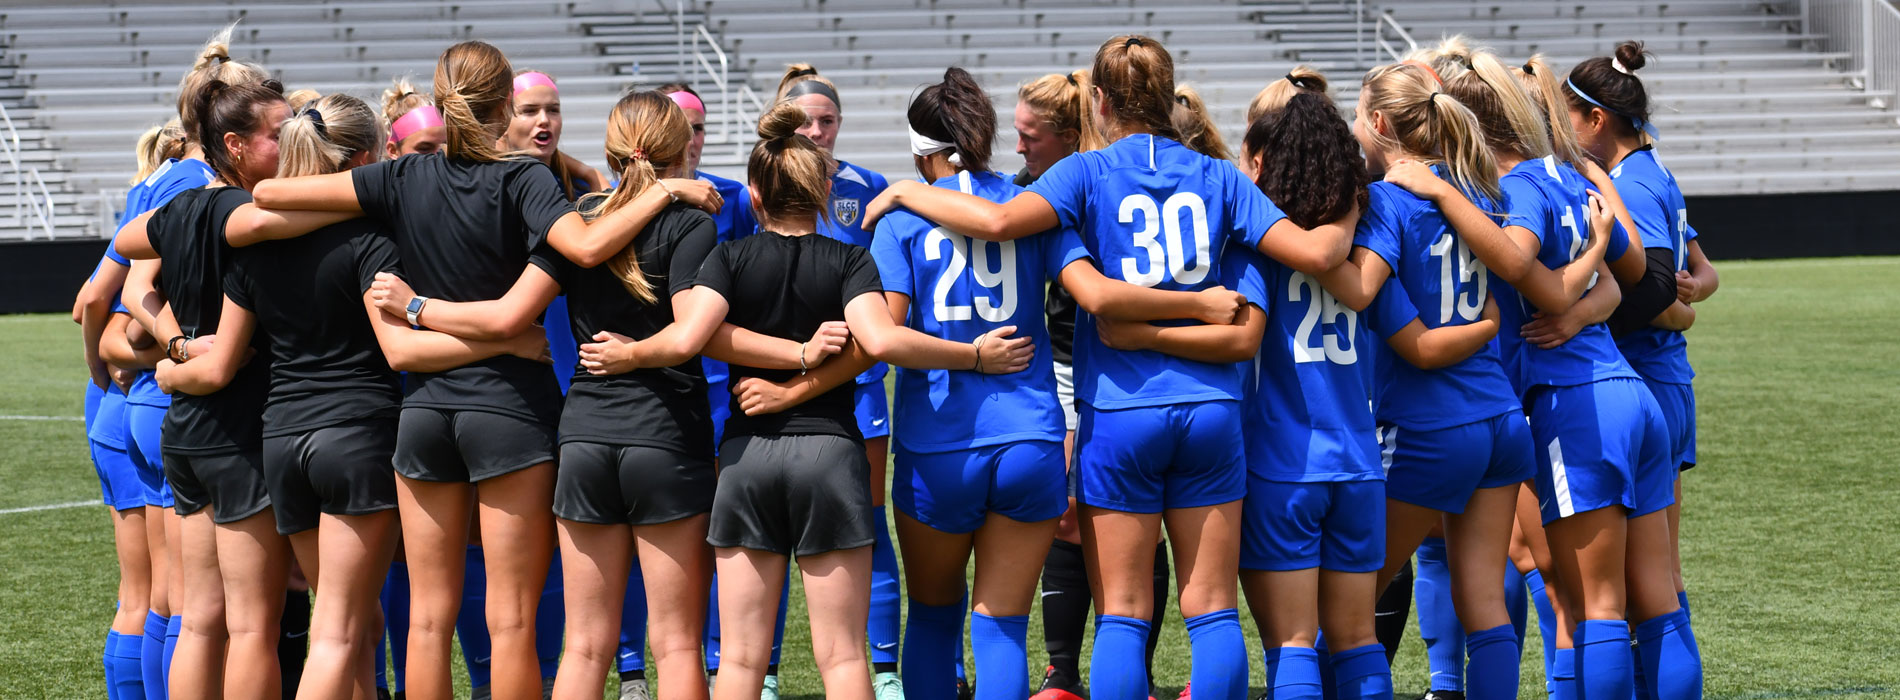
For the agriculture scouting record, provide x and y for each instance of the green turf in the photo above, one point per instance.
(1789, 527)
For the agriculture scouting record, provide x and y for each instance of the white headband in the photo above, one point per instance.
(1617, 63)
(921, 145)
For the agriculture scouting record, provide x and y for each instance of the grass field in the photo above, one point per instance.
(1791, 544)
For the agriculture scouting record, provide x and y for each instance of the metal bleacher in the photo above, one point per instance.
(1752, 95)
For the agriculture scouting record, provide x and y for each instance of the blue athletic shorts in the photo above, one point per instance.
(720, 398)
(873, 409)
(1600, 445)
(118, 479)
(144, 427)
(953, 491)
(1677, 402)
(1151, 458)
(1440, 469)
(1333, 525)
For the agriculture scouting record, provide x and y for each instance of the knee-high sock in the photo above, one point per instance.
(929, 636)
(1220, 655)
(1065, 610)
(956, 650)
(633, 624)
(1114, 673)
(1362, 674)
(784, 604)
(1494, 664)
(1389, 616)
(1670, 659)
(1563, 675)
(1515, 604)
(1001, 648)
(1328, 685)
(124, 674)
(293, 639)
(1437, 620)
(550, 620)
(1546, 624)
(887, 606)
(152, 656)
(1160, 613)
(173, 625)
(471, 623)
(1293, 674)
(1604, 660)
(396, 622)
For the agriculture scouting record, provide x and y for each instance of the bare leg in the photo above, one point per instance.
(435, 520)
(749, 585)
(135, 570)
(517, 521)
(677, 567)
(837, 596)
(255, 563)
(198, 663)
(1206, 544)
(355, 551)
(1007, 557)
(595, 559)
(1476, 543)
(1405, 527)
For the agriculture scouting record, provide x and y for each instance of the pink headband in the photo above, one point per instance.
(417, 119)
(687, 100)
(531, 79)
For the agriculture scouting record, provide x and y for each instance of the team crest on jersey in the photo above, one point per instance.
(845, 211)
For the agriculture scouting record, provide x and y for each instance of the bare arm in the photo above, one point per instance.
(1212, 343)
(335, 192)
(214, 370)
(740, 346)
(133, 241)
(1437, 348)
(589, 244)
(141, 297)
(411, 350)
(1702, 278)
(1678, 317)
(494, 319)
(758, 396)
(249, 224)
(95, 309)
(994, 352)
(1028, 213)
(1115, 299)
(1312, 251)
(1356, 281)
(1546, 330)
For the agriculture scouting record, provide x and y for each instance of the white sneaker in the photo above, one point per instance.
(635, 689)
(887, 686)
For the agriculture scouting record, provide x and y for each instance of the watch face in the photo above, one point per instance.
(415, 304)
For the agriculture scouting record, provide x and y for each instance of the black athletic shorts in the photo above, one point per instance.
(341, 469)
(792, 494)
(630, 484)
(230, 483)
(434, 444)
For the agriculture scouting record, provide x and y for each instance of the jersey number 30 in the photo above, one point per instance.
(1164, 221)
(995, 272)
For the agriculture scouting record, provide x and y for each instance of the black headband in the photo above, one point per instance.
(813, 87)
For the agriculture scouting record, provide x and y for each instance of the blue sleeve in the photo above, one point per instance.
(1240, 270)
(1378, 231)
(892, 255)
(1619, 240)
(1066, 187)
(113, 255)
(878, 183)
(1525, 206)
(1059, 248)
(1251, 213)
(743, 222)
(1689, 236)
(1646, 209)
(1391, 311)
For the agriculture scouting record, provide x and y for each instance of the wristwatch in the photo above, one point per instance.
(415, 309)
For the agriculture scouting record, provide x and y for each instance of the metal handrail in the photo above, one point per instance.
(23, 196)
(1378, 36)
(734, 97)
(1869, 32)
(1376, 20)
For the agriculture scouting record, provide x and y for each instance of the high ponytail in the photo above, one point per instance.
(1302, 79)
(473, 87)
(158, 144)
(647, 137)
(399, 98)
(1309, 162)
(1431, 125)
(325, 134)
(1195, 128)
(1065, 102)
(224, 108)
(797, 73)
(957, 111)
(1136, 76)
(1510, 119)
(790, 176)
(1541, 83)
(213, 63)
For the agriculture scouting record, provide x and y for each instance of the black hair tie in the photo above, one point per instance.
(1132, 41)
(803, 72)
(1297, 82)
(1071, 77)
(316, 119)
(1182, 100)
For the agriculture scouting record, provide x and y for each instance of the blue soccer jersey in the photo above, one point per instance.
(1650, 192)
(1550, 199)
(1153, 213)
(852, 189)
(961, 288)
(171, 178)
(1446, 284)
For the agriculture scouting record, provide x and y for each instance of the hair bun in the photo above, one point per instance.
(783, 120)
(1632, 55)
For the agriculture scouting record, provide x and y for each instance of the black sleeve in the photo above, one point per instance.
(860, 275)
(1649, 296)
(537, 195)
(238, 285)
(376, 188)
(375, 253)
(716, 273)
(227, 200)
(690, 251)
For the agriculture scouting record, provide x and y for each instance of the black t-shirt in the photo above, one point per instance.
(1057, 305)
(660, 407)
(188, 233)
(786, 286)
(307, 294)
(466, 231)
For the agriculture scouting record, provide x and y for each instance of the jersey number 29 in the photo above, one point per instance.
(996, 272)
(1164, 221)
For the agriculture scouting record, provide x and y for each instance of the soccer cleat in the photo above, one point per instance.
(1055, 687)
(1443, 695)
(1185, 694)
(965, 691)
(770, 690)
(887, 686)
(635, 689)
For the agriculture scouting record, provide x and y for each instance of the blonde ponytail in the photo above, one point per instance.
(213, 63)
(473, 87)
(1540, 82)
(1276, 94)
(647, 137)
(323, 136)
(1196, 129)
(1431, 125)
(1065, 101)
(158, 144)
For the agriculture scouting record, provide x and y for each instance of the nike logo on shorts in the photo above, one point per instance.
(884, 646)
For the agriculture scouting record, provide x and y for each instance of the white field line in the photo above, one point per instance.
(49, 506)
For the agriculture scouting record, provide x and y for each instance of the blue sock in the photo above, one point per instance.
(1669, 657)
(1604, 660)
(1546, 624)
(1494, 664)
(1682, 600)
(633, 623)
(1438, 622)
(396, 622)
(1563, 675)
(712, 626)
(173, 626)
(550, 620)
(887, 605)
(1219, 669)
(471, 622)
(1515, 604)
(1293, 674)
(1116, 671)
(1362, 674)
(956, 650)
(1327, 688)
(124, 673)
(932, 631)
(152, 656)
(1001, 648)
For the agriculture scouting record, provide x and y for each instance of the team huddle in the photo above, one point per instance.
(463, 386)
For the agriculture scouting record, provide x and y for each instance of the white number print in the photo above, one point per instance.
(1335, 347)
(1167, 259)
(993, 272)
(1682, 239)
(1468, 305)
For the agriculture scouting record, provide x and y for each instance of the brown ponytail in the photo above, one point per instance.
(473, 87)
(957, 111)
(1136, 77)
(230, 109)
(647, 137)
(213, 63)
(789, 175)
